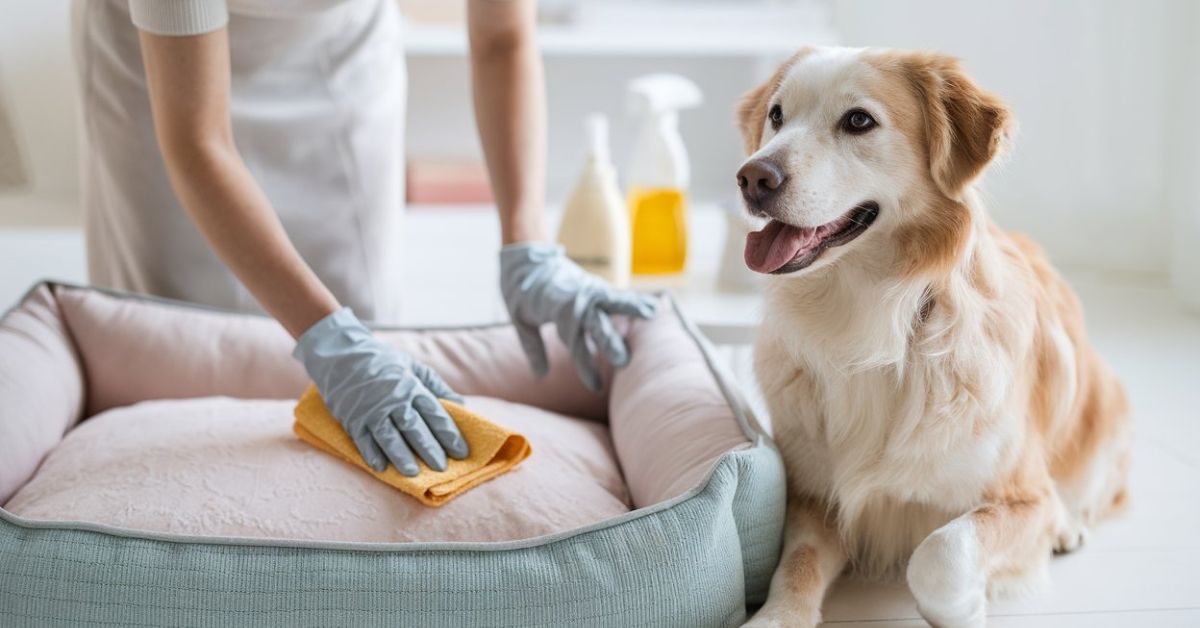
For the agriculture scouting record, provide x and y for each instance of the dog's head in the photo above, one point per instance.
(864, 149)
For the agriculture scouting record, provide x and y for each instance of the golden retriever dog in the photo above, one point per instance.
(940, 412)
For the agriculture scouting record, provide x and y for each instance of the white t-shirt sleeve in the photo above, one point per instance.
(179, 17)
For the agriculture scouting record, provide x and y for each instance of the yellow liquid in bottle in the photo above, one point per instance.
(659, 223)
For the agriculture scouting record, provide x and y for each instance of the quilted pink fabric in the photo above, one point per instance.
(226, 467)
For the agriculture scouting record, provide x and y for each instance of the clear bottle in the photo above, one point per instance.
(659, 173)
(595, 230)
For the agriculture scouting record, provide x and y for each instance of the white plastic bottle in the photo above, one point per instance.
(659, 173)
(595, 226)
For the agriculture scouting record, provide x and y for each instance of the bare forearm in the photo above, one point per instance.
(510, 111)
(234, 215)
(188, 81)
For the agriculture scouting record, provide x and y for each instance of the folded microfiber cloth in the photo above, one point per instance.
(494, 450)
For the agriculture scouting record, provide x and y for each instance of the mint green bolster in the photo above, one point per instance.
(694, 561)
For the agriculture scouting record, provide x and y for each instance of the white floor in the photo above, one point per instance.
(1140, 570)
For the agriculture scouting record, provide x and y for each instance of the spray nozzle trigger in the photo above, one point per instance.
(660, 93)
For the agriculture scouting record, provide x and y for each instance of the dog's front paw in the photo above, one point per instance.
(1070, 538)
(945, 578)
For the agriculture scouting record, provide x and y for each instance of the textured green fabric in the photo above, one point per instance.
(693, 562)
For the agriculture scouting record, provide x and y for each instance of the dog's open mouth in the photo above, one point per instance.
(780, 248)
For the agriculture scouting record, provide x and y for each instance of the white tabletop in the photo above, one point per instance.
(461, 289)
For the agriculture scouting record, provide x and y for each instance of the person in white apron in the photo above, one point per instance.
(248, 153)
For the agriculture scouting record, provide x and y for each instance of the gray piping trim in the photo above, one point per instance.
(741, 411)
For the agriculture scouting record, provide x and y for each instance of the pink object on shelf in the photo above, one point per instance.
(448, 181)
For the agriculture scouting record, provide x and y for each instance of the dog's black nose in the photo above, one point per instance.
(759, 180)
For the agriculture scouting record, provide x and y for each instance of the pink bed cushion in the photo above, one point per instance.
(41, 386)
(670, 421)
(135, 350)
(226, 467)
(138, 367)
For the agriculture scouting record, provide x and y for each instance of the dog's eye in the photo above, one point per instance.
(776, 115)
(857, 121)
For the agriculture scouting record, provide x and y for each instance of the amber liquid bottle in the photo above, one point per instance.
(659, 174)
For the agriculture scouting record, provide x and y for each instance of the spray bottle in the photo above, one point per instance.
(595, 227)
(659, 174)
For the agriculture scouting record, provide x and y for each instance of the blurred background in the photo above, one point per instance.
(1106, 172)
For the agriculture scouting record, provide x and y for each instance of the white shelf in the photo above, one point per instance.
(626, 29)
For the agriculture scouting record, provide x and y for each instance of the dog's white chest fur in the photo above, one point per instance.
(892, 428)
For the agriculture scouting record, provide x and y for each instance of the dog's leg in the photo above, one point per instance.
(949, 571)
(812, 558)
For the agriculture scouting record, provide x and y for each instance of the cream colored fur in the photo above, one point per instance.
(940, 414)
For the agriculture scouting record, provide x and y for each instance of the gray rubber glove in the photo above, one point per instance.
(541, 285)
(386, 401)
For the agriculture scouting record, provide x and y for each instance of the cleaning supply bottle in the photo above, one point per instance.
(658, 174)
(595, 226)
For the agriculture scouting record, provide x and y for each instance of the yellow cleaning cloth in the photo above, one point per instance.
(494, 450)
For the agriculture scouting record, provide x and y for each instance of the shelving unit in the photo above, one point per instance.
(726, 46)
(628, 29)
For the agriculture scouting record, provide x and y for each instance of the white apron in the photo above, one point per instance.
(318, 115)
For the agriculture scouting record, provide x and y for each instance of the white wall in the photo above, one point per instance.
(1183, 159)
(1091, 83)
(39, 88)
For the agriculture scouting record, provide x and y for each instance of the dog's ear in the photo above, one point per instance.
(753, 107)
(752, 114)
(966, 126)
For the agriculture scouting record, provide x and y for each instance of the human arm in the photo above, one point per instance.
(386, 401)
(539, 283)
(189, 85)
(510, 111)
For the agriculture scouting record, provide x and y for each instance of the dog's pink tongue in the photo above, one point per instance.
(776, 244)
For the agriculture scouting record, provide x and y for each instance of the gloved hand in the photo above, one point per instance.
(386, 401)
(541, 285)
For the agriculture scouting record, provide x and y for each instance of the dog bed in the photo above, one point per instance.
(148, 476)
